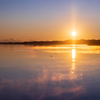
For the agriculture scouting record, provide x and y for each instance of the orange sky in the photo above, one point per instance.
(49, 20)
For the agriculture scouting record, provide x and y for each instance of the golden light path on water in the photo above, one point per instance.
(73, 54)
(73, 60)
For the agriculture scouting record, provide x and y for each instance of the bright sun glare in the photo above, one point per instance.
(73, 33)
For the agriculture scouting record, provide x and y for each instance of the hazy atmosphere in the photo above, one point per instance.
(49, 49)
(49, 19)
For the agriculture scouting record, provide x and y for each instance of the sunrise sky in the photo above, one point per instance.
(49, 19)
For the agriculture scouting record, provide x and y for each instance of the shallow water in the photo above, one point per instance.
(67, 72)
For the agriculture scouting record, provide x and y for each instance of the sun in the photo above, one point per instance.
(73, 33)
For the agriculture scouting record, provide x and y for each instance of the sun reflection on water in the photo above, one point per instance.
(73, 54)
(73, 60)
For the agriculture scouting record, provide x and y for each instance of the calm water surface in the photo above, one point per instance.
(68, 72)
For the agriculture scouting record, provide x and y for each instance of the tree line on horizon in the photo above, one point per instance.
(81, 41)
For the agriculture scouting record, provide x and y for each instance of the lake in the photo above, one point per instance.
(60, 72)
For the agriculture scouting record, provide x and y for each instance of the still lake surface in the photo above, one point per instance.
(67, 72)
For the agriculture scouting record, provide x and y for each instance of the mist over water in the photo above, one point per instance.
(60, 72)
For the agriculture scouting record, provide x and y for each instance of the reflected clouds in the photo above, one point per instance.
(64, 75)
(43, 80)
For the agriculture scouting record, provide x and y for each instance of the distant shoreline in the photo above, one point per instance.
(82, 41)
